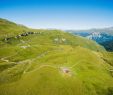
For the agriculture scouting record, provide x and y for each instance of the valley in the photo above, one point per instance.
(102, 36)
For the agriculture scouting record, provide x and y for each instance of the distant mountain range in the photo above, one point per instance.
(101, 36)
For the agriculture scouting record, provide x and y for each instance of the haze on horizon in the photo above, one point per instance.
(59, 14)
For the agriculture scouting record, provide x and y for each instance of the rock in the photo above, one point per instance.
(63, 39)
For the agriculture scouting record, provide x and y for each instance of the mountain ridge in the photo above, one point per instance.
(53, 62)
(101, 36)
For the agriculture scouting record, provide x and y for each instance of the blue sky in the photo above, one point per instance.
(60, 14)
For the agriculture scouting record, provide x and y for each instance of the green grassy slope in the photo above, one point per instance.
(8, 28)
(52, 62)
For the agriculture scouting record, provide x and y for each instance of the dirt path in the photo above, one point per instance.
(5, 60)
(42, 67)
(77, 63)
(29, 61)
(55, 67)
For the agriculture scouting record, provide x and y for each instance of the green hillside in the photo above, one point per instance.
(8, 28)
(52, 62)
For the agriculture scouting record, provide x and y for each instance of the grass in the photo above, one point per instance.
(33, 64)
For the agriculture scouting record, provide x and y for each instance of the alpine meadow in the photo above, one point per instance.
(56, 47)
(52, 62)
